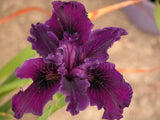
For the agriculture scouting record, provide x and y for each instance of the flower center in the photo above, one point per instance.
(91, 77)
(71, 37)
(96, 79)
(52, 76)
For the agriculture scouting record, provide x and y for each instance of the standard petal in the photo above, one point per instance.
(99, 42)
(70, 17)
(43, 40)
(75, 90)
(33, 99)
(56, 58)
(69, 53)
(108, 90)
(79, 71)
(29, 68)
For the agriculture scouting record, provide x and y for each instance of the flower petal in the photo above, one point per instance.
(56, 58)
(29, 68)
(99, 42)
(69, 53)
(43, 40)
(45, 83)
(75, 90)
(79, 71)
(70, 17)
(108, 90)
(33, 99)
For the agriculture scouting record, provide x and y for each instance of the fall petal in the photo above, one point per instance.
(29, 68)
(33, 99)
(108, 90)
(75, 90)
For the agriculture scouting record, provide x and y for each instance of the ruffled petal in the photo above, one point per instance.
(108, 90)
(56, 58)
(43, 40)
(99, 42)
(70, 17)
(75, 90)
(33, 99)
(29, 68)
(46, 82)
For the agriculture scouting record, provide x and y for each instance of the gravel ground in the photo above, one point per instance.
(137, 50)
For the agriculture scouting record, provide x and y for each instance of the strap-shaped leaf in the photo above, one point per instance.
(6, 106)
(6, 116)
(157, 13)
(4, 94)
(10, 84)
(53, 108)
(11, 78)
(13, 85)
(16, 61)
(57, 96)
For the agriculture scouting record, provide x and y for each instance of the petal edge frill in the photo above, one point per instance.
(70, 17)
(46, 82)
(43, 40)
(108, 90)
(76, 94)
(32, 100)
(99, 42)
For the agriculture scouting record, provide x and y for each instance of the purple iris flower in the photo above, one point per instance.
(74, 63)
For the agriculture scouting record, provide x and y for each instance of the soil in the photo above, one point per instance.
(137, 50)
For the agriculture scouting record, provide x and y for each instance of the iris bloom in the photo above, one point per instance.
(73, 62)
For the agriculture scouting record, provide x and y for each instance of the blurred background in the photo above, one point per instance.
(137, 50)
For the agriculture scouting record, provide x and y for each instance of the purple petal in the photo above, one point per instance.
(45, 83)
(79, 71)
(62, 70)
(43, 40)
(108, 90)
(99, 42)
(76, 91)
(70, 17)
(33, 99)
(69, 53)
(29, 68)
(56, 58)
(70, 37)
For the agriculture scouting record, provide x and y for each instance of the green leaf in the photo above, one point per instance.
(16, 61)
(11, 112)
(89, 15)
(46, 113)
(6, 106)
(13, 85)
(157, 13)
(11, 78)
(53, 108)
(57, 96)
(61, 102)
(5, 93)
(5, 116)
